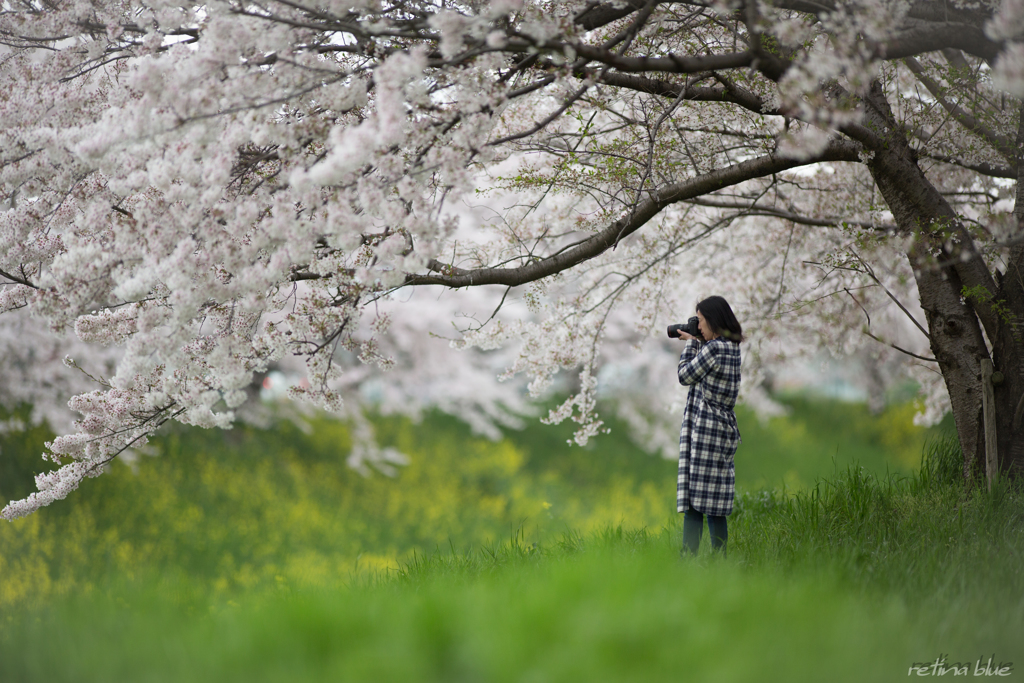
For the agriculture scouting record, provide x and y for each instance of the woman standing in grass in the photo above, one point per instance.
(709, 435)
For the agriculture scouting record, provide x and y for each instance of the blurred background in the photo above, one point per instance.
(251, 507)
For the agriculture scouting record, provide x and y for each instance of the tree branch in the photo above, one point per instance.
(1000, 143)
(754, 210)
(665, 88)
(19, 280)
(981, 167)
(900, 349)
(450, 276)
(670, 64)
(932, 37)
(598, 14)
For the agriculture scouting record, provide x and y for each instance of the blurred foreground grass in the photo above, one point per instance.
(623, 611)
(259, 556)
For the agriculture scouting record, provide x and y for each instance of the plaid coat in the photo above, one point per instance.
(709, 435)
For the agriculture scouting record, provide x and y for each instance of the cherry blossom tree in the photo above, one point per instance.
(205, 191)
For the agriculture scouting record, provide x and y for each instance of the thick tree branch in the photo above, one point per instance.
(450, 276)
(598, 14)
(728, 93)
(933, 37)
(666, 88)
(924, 210)
(670, 64)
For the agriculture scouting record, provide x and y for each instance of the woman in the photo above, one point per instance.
(709, 435)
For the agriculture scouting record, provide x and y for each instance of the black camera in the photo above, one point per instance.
(691, 327)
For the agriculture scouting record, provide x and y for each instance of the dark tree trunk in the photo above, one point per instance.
(1008, 350)
(963, 302)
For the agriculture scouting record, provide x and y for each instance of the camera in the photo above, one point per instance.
(690, 327)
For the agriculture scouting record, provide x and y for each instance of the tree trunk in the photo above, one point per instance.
(1008, 351)
(962, 301)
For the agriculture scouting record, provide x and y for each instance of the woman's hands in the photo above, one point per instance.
(686, 336)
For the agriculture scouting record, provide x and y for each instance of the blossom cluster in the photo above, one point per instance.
(193, 196)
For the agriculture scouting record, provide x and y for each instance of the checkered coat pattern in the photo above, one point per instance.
(709, 435)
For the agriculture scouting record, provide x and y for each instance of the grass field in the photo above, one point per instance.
(209, 564)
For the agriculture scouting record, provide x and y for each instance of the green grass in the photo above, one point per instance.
(626, 613)
(776, 453)
(258, 556)
(854, 579)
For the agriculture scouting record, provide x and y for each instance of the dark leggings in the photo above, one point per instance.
(693, 527)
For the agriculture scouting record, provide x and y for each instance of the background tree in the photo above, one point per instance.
(211, 189)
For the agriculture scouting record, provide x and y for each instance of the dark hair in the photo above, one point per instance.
(720, 317)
